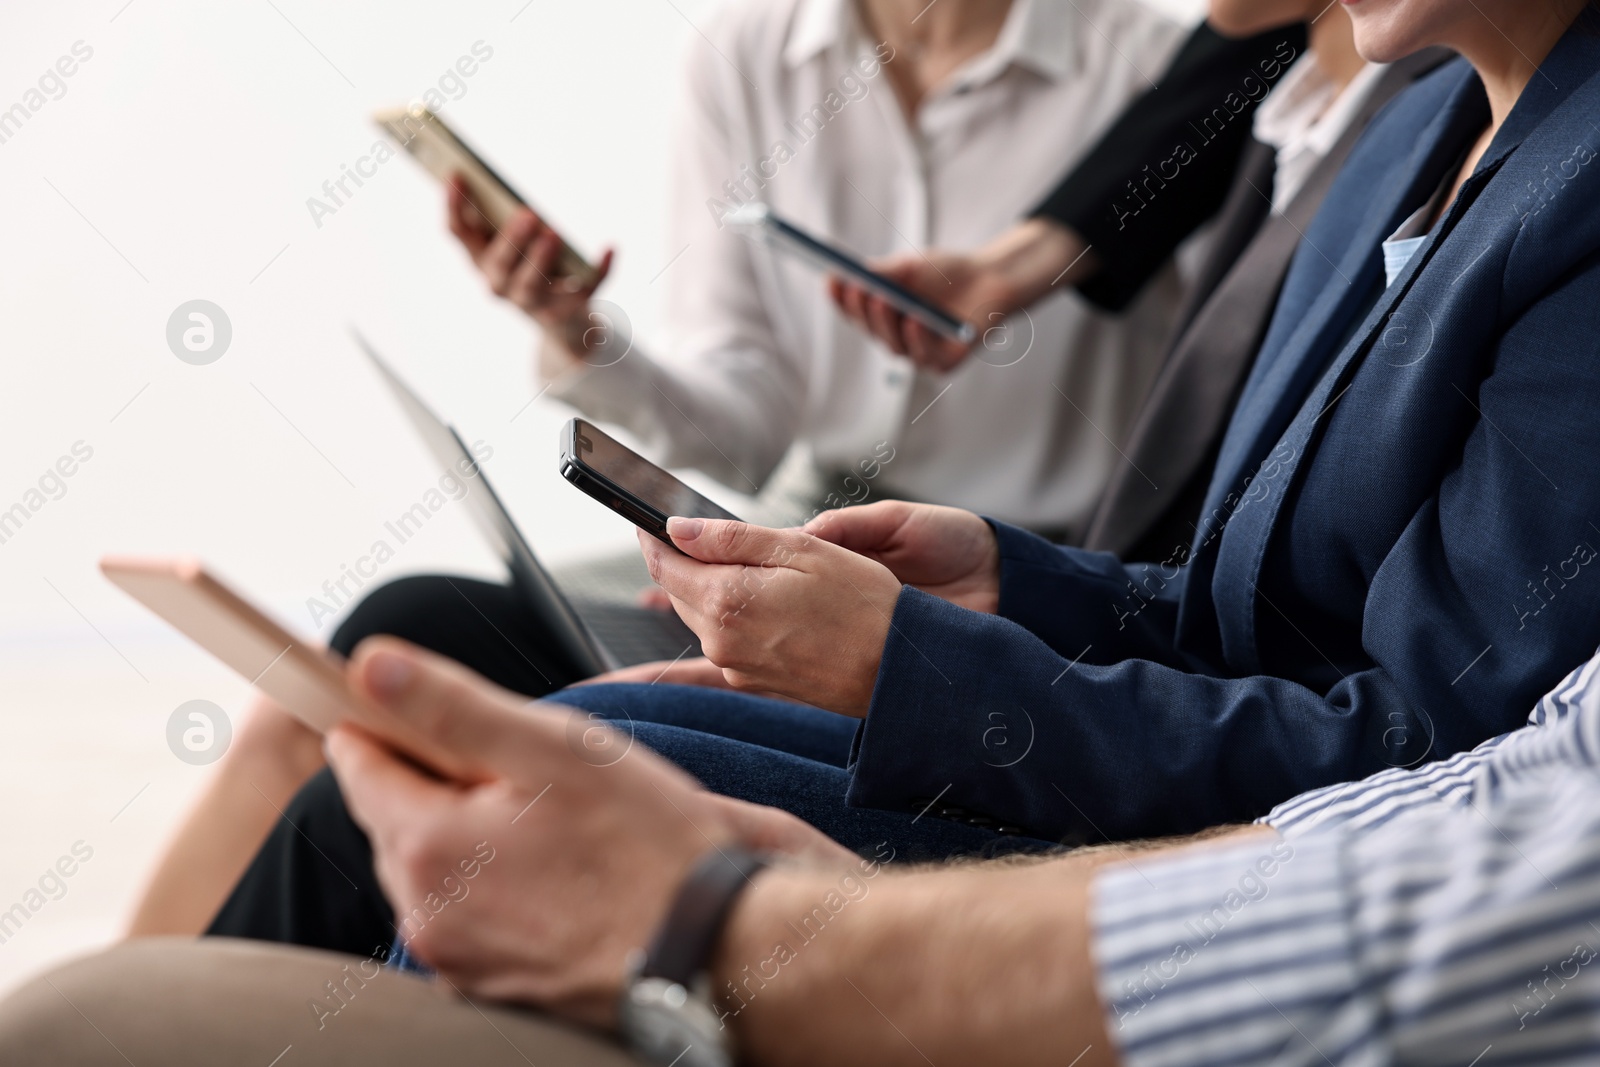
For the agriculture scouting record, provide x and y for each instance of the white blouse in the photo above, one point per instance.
(787, 102)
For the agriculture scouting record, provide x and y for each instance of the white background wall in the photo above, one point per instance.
(176, 166)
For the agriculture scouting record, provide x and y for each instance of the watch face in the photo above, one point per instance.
(665, 1024)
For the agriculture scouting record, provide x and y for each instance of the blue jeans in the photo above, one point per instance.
(766, 751)
(313, 884)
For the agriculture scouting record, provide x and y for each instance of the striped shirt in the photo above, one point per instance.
(1444, 915)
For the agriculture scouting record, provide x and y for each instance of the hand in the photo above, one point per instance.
(980, 287)
(949, 280)
(780, 611)
(696, 671)
(535, 886)
(944, 551)
(520, 264)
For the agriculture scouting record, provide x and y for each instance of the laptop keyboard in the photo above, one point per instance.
(638, 635)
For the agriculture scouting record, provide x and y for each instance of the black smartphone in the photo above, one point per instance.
(629, 484)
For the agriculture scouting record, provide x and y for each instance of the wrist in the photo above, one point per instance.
(560, 349)
(668, 1007)
(1029, 258)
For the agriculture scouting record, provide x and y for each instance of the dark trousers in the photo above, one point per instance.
(313, 883)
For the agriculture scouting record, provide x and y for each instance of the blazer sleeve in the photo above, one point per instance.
(1060, 721)
(1210, 74)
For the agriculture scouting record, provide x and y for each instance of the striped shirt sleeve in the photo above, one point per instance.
(1458, 936)
(1467, 778)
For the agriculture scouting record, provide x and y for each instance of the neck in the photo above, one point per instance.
(1333, 46)
(1505, 42)
(940, 26)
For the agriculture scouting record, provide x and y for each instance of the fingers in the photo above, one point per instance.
(454, 710)
(698, 671)
(466, 221)
(375, 782)
(887, 324)
(730, 541)
(601, 270)
(652, 598)
(704, 594)
(509, 251)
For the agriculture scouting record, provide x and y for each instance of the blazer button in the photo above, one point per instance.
(1010, 831)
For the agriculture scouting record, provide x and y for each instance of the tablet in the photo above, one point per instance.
(757, 220)
(436, 146)
(306, 679)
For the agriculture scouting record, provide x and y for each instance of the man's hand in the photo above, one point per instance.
(520, 264)
(780, 611)
(981, 288)
(535, 886)
(944, 551)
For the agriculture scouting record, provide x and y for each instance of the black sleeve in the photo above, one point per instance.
(1165, 167)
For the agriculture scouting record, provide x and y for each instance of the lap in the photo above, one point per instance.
(482, 625)
(312, 882)
(177, 1002)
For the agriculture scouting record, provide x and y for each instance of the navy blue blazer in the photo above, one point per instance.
(1398, 551)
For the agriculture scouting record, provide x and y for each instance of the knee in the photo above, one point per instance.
(404, 608)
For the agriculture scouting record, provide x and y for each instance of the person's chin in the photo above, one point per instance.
(1384, 30)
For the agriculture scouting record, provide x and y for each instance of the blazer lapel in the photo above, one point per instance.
(1333, 277)
(1200, 379)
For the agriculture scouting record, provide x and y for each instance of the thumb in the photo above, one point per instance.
(449, 710)
(863, 529)
(731, 541)
(902, 268)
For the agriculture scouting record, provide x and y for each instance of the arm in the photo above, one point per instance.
(1425, 941)
(722, 394)
(1133, 235)
(1467, 615)
(719, 397)
(981, 963)
(1094, 232)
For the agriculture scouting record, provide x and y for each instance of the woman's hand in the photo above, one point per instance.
(697, 671)
(981, 288)
(520, 264)
(779, 611)
(944, 551)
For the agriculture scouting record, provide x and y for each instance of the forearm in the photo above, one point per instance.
(696, 410)
(981, 964)
(1116, 198)
(1036, 256)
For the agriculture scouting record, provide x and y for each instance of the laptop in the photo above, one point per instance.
(595, 636)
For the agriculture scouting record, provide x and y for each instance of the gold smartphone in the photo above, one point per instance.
(436, 146)
(306, 679)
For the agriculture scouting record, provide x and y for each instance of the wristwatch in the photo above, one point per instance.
(666, 1014)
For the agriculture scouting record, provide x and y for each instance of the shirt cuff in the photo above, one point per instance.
(1238, 955)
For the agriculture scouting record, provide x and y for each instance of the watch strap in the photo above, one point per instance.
(683, 945)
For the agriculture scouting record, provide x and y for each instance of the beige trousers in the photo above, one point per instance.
(177, 1002)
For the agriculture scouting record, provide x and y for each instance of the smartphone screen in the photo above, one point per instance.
(639, 481)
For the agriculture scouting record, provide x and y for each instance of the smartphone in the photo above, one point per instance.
(442, 153)
(306, 679)
(629, 484)
(758, 221)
